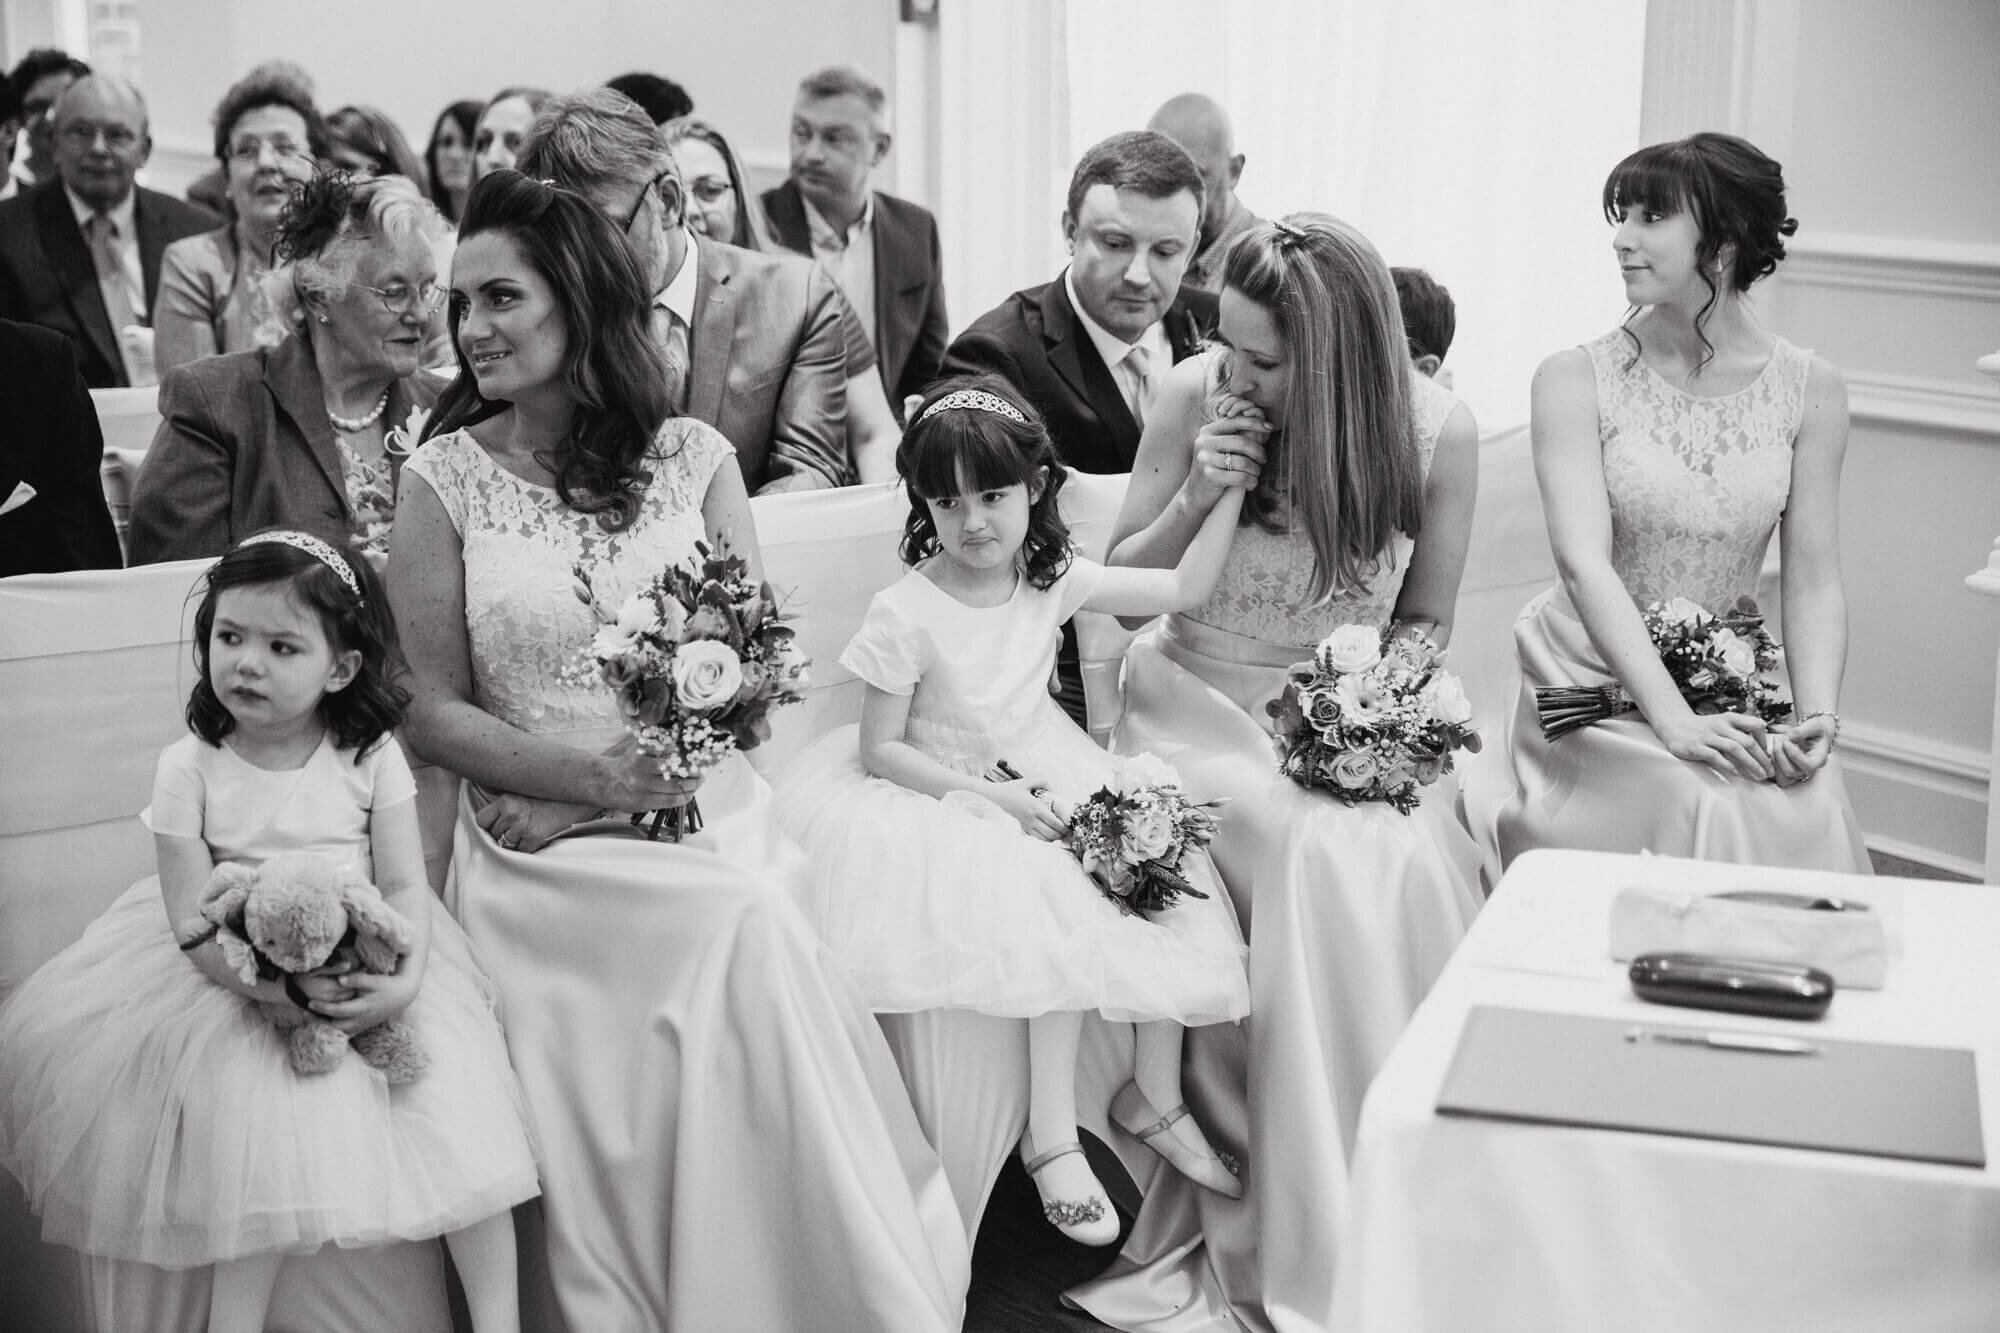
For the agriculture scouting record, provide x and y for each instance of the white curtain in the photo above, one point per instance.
(1470, 140)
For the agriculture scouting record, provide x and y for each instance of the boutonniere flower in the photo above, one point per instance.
(402, 440)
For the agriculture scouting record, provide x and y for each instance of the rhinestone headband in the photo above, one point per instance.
(977, 400)
(314, 547)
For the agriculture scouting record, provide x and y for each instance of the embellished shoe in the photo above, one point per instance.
(1131, 1112)
(1088, 1221)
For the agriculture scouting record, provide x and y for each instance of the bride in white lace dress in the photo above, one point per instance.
(725, 1140)
(1667, 451)
(1362, 478)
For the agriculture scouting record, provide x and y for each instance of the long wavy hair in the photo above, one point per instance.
(1734, 192)
(373, 704)
(1345, 465)
(972, 449)
(611, 368)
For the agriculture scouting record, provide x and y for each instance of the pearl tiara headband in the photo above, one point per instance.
(314, 547)
(977, 400)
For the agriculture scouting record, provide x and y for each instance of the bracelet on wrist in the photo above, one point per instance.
(1827, 713)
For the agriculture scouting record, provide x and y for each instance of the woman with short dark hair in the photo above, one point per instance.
(268, 135)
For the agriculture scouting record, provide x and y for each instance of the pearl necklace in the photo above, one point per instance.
(353, 425)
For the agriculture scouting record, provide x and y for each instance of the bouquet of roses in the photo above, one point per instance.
(1131, 834)
(1371, 718)
(1718, 663)
(697, 659)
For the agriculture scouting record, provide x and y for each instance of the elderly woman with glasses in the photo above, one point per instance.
(267, 135)
(309, 433)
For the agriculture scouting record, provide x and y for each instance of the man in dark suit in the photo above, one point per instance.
(883, 251)
(752, 340)
(81, 254)
(1090, 349)
(52, 511)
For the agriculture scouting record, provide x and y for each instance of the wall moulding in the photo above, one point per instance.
(1961, 270)
(1920, 798)
(1924, 403)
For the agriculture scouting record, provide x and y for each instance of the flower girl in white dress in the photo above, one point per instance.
(942, 887)
(148, 1107)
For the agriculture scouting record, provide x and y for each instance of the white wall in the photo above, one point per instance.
(1886, 117)
(739, 60)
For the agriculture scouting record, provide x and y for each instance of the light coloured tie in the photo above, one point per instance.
(101, 232)
(1141, 362)
(672, 335)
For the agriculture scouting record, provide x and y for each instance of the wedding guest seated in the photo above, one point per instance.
(38, 80)
(10, 130)
(1430, 320)
(883, 251)
(267, 136)
(752, 342)
(1090, 349)
(81, 254)
(1200, 125)
(662, 99)
(719, 205)
(503, 123)
(210, 190)
(365, 142)
(310, 433)
(725, 1143)
(448, 158)
(52, 511)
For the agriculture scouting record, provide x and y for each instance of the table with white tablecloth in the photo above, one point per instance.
(1463, 1223)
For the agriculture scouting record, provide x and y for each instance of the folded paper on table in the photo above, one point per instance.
(1850, 945)
(1914, 1102)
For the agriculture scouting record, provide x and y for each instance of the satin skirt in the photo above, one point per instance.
(1351, 913)
(726, 1141)
(1613, 787)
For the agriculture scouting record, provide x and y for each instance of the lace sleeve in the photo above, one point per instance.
(685, 455)
(442, 463)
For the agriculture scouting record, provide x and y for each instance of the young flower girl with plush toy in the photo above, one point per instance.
(941, 886)
(148, 1106)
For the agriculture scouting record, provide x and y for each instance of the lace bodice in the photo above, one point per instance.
(523, 621)
(1696, 484)
(1264, 592)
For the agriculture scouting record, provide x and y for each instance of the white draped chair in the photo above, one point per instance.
(95, 670)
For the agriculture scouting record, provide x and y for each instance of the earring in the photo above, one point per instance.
(322, 319)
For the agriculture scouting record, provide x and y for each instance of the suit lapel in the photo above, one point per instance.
(152, 242)
(712, 338)
(786, 213)
(69, 256)
(293, 379)
(1076, 360)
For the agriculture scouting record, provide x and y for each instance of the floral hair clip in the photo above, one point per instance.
(977, 400)
(314, 547)
(314, 215)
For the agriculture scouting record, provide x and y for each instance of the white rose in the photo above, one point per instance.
(1680, 611)
(1142, 771)
(1447, 699)
(638, 616)
(1147, 836)
(1350, 648)
(1737, 655)
(612, 642)
(707, 674)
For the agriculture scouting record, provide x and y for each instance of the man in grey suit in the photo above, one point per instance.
(753, 341)
(81, 254)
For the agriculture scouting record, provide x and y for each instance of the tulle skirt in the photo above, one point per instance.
(1352, 913)
(1613, 787)
(152, 1115)
(948, 904)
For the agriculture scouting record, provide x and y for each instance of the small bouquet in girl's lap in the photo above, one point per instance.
(1718, 663)
(1131, 834)
(697, 659)
(1372, 717)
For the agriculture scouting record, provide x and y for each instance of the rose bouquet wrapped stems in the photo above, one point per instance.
(1132, 834)
(1371, 717)
(1720, 664)
(696, 659)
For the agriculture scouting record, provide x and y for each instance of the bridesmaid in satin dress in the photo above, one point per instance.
(1361, 478)
(725, 1141)
(1667, 450)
